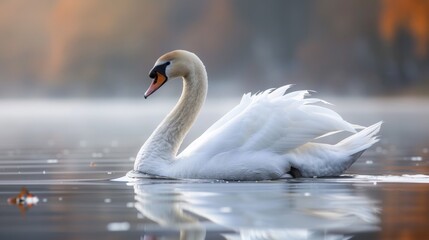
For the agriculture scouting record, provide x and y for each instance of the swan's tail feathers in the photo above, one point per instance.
(356, 144)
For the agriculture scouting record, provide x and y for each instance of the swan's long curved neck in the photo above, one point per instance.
(162, 146)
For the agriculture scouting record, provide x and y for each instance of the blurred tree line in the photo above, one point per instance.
(104, 48)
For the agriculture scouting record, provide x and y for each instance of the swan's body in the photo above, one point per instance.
(266, 136)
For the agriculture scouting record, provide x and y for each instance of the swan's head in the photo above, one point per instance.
(178, 63)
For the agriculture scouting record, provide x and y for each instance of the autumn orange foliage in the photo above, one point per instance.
(409, 15)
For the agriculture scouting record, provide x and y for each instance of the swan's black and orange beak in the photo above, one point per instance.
(159, 78)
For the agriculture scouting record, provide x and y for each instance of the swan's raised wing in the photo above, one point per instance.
(269, 121)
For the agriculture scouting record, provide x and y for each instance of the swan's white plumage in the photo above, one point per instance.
(263, 137)
(269, 122)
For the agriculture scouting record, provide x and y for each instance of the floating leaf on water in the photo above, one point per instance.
(24, 200)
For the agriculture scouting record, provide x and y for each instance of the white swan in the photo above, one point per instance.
(267, 136)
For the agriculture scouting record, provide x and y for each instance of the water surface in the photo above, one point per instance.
(73, 156)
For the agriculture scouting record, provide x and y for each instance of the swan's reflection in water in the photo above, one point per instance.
(271, 210)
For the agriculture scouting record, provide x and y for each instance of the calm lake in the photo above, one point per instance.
(73, 156)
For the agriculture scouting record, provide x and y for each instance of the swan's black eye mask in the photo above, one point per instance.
(158, 69)
(159, 78)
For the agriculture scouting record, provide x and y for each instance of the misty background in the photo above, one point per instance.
(105, 48)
